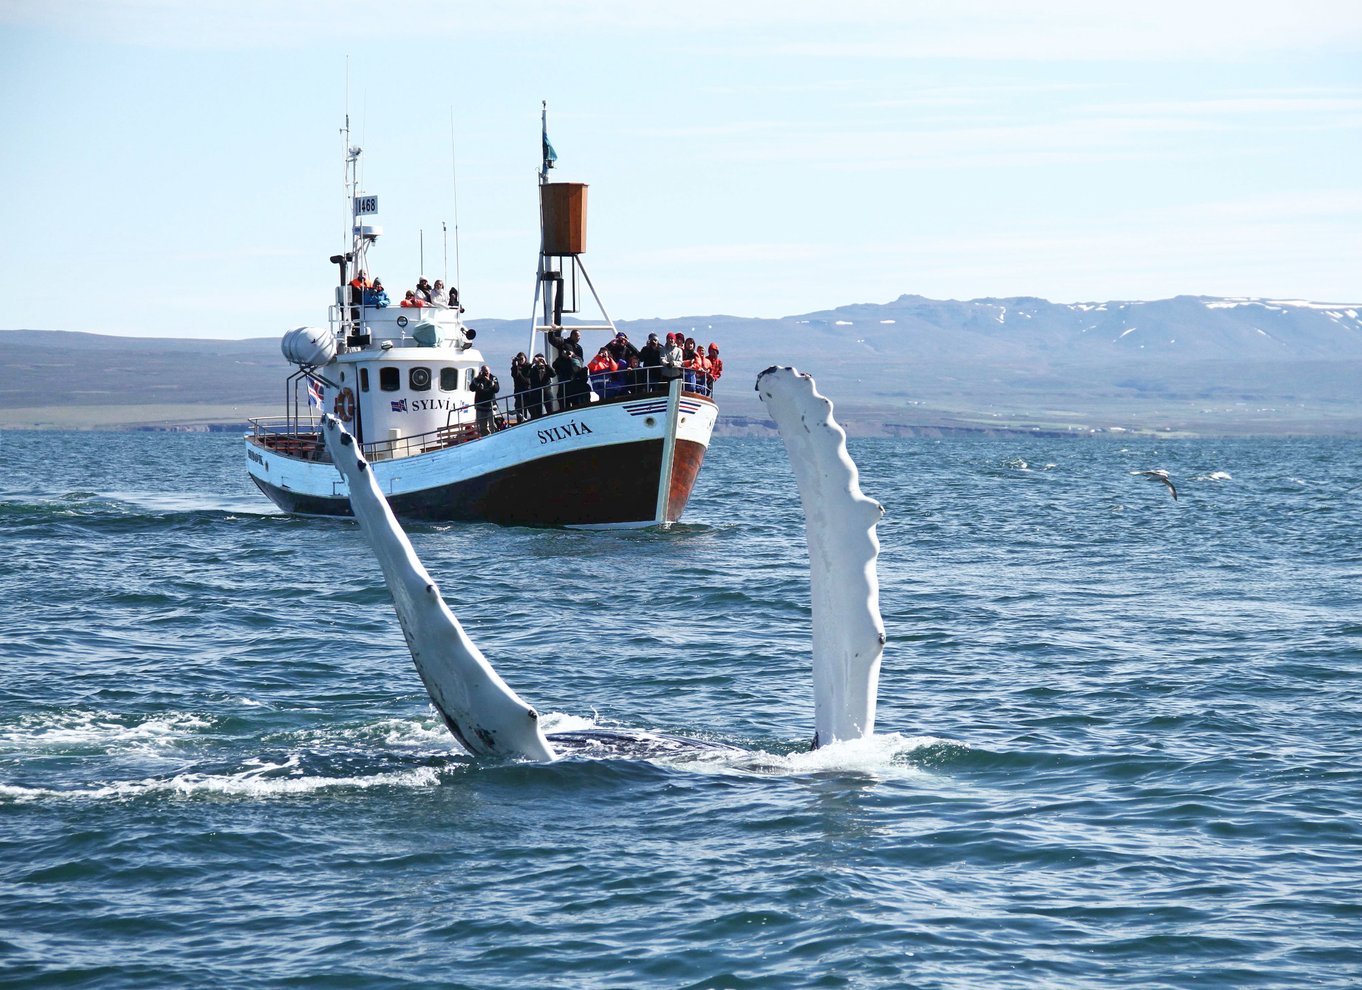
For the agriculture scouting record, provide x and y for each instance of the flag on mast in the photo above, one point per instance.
(550, 156)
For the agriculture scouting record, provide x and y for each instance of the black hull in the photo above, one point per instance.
(604, 486)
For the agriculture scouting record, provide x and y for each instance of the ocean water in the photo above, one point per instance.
(1118, 739)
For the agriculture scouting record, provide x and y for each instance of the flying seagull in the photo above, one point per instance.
(1160, 475)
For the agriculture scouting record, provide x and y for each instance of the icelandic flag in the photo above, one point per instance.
(400, 405)
(314, 393)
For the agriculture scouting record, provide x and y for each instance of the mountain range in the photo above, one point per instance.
(1191, 365)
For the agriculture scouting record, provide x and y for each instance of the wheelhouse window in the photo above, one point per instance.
(364, 379)
(419, 379)
(449, 379)
(468, 377)
(389, 379)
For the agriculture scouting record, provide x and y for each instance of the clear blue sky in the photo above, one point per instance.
(174, 169)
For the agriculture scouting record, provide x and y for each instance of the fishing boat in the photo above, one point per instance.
(612, 451)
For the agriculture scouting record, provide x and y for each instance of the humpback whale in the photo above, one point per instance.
(488, 718)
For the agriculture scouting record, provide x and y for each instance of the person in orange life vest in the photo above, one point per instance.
(716, 364)
(357, 286)
(412, 300)
(700, 364)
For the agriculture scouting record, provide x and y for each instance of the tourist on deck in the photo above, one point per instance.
(672, 357)
(485, 389)
(454, 299)
(649, 357)
(700, 363)
(600, 369)
(688, 361)
(520, 378)
(439, 298)
(571, 345)
(411, 300)
(650, 354)
(631, 377)
(716, 366)
(572, 342)
(541, 380)
(375, 295)
(423, 290)
(620, 349)
(565, 367)
(578, 388)
(358, 285)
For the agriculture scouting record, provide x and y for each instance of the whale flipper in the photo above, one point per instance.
(848, 633)
(482, 712)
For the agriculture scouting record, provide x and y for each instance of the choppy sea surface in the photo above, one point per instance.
(1118, 739)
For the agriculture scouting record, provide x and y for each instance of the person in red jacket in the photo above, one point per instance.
(716, 365)
(600, 369)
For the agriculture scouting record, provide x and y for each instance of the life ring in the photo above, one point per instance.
(345, 405)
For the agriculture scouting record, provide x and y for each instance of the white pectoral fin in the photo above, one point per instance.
(481, 710)
(848, 633)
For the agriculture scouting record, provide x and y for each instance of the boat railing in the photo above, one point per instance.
(468, 423)
(288, 436)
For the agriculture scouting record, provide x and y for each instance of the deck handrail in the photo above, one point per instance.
(285, 435)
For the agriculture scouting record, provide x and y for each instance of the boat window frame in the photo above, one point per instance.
(390, 379)
(449, 375)
(364, 379)
(412, 374)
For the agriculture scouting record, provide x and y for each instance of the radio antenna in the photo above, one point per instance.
(454, 178)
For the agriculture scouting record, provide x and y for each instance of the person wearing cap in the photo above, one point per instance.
(375, 295)
(620, 349)
(650, 354)
(716, 365)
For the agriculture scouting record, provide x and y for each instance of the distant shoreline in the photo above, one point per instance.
(743, 426)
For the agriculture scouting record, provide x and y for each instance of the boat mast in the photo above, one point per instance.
(540, 292)
(551, 283)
